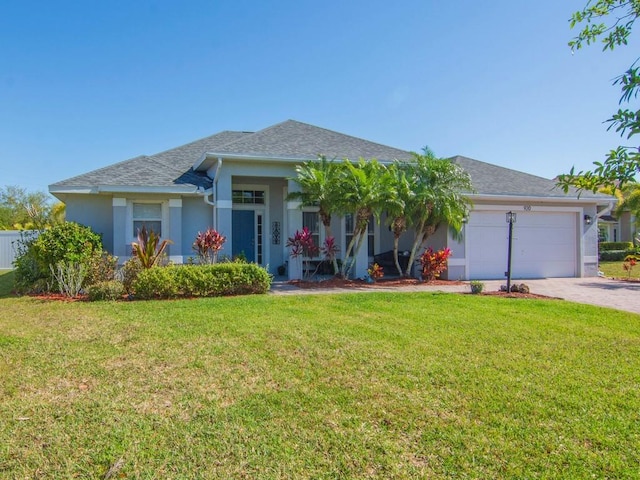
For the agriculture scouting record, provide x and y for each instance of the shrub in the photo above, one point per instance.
(612, 255)
(149, 250)
(129, 273)
(109, 290)
(434, 263)
(375, 271)
(476, 286)
(607, 246)
(202, 280)
(155, 282)
(38, 258)
(101, 267)
(208, 244)
(69, 277)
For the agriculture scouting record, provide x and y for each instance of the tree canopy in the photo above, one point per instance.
(610, 22)
(20, 209)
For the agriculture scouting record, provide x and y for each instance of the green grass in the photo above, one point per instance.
(371, 385)
(615, 270)
(6, 282)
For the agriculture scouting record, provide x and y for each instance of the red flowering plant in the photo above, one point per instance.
(629, 262)
(434, 263)
(208, 244)
(302, 246)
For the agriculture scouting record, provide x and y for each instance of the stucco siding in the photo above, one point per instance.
(95, 211)
(197, 216)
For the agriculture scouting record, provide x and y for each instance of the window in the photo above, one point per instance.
(311, 220)
(252, 197)
(348, 228)
(149, 215)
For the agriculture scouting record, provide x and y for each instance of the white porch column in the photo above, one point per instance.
(224, 207)
(175, 230)
(120, 243)
(362, 260)
(294, 222)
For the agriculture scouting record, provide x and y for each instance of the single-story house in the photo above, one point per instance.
(237, 182)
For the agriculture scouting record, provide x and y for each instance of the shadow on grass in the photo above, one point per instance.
(7, 278)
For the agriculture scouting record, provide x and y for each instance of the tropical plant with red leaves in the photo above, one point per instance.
(302, 247)
(434, 263)
(375, 271)
(629, 262)
(149, 249)
(208, 244)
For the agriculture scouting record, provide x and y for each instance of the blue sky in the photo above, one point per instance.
(87, 84)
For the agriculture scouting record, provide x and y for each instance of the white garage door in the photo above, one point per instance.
(544, 245)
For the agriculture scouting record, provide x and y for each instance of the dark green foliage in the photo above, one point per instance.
(156, 282)
(66, 242)
(605, 246)
(109, 290)
(63, 243)
(201, 280)
(613, 255)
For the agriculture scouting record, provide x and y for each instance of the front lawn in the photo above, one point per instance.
(615, 270)
(371, 385)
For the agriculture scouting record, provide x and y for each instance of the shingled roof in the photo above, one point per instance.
(489, 179)
(173, 167)
(290, 140)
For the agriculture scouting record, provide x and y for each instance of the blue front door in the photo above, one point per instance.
(243, 238)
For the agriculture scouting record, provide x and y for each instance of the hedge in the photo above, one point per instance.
(613, 255)
(607, 246)
(201, 281)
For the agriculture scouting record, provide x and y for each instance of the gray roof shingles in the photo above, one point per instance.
(292, 139)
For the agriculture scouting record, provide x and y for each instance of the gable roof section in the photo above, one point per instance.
(293, 139)
(489, 179)
(166, 169)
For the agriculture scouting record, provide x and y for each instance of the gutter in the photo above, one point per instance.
(213, 193)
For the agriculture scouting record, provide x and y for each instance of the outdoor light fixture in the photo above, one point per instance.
(511, 219)
(587, 219)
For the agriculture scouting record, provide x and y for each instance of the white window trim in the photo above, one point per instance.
(166, 232)
(376, 237)
(321, 231)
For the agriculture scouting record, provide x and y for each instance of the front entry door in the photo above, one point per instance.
(244, 236)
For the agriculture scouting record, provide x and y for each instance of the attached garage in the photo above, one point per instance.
(545, 244)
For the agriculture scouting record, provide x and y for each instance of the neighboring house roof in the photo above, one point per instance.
(287, 140)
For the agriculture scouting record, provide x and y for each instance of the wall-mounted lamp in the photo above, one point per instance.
(587, 219)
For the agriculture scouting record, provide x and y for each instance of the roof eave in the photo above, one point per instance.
(82, 190)
(536, 198)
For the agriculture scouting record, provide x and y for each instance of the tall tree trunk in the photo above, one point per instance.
(361, 236)
(326, 221)
(396, 241)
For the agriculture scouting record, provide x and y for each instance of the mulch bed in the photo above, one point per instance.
(400, 282)
(336, 282)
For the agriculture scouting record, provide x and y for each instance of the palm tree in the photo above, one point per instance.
(321, 186)
(400, 197)
(439, 187)
(366, 188)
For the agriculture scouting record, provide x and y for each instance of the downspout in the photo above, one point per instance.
(215, 193)
(212, 192)
(606, 210)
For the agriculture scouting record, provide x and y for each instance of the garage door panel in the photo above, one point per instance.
(544, 245)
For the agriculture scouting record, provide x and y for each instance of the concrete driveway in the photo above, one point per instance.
(598, 291)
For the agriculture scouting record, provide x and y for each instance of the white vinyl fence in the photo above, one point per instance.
(9, 247)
